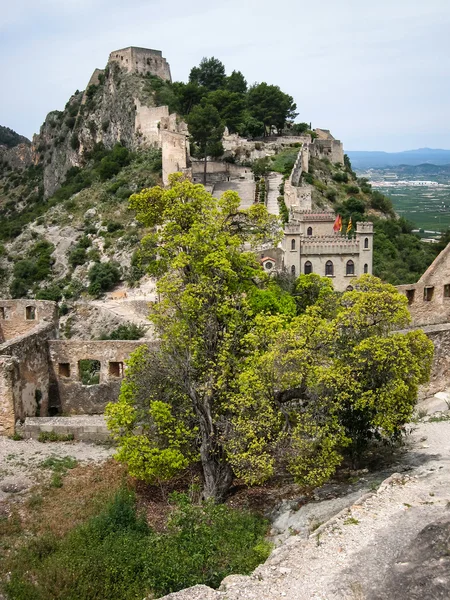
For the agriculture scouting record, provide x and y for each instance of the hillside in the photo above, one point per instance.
(9, 138)
(65, 228)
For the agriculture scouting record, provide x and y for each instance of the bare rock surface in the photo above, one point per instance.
(390, 543)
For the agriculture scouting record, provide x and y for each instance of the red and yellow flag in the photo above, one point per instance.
(349, 226)
(338, 224)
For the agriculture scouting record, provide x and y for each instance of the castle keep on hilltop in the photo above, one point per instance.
(142, 60)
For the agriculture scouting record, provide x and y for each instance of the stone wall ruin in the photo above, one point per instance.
(40, 374)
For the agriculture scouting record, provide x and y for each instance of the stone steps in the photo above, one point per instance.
(87, 428)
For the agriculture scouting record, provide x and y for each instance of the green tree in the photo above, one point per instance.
(236, 83)
(204, 276)
(271, 106)
(209, 74)
(241, 382)
(230, 106)
(206, 129)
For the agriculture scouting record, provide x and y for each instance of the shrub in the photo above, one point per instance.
(102, 277)
(331, 194)
(340, 177)
(77, 257)
(89, 371)
(115, 554)
(380, 202)
(352, 189)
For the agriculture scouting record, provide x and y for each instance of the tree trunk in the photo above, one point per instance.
(217, 473)
(204, 168)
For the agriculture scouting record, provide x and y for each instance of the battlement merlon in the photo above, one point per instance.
(364, 227)
(144, 61)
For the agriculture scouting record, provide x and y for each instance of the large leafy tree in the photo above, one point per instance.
(247, 378)
(177, 393)
(271, 106)
(206, 129)
(230, 106)
(210, 74)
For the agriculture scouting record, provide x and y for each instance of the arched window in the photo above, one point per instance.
(366, 242)
(350, 270)
(366, 268)
(293, 269)
(308, 267)
(329, 269)
(309, 231)
(292, 244)
(349, 288)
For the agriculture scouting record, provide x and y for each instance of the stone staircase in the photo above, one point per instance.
(86, 428)
(273, 191)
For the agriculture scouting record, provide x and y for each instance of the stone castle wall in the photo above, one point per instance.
(175, 150)
(18, 317)
(429, 298)
(147, 122)
(39, 374)
(142, 60)
(219, 171)
(68, 395)
(24, 375)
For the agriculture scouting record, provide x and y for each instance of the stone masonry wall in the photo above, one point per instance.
(142, 60)
(18, 317)
(68, 395)
(219, 171)
(440, 370)
(174, 153)
(429, 298)
(9, 379)
(29, 379)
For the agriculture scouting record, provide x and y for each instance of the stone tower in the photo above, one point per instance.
(142, 60)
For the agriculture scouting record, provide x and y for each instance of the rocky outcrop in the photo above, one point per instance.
(117, 106)
(18, 157)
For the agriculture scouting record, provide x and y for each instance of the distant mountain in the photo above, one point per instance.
(373, 160)
(9, 138)
(423, 170)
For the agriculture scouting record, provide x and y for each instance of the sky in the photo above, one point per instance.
(377, 74)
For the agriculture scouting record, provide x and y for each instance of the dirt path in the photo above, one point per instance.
(393, 543)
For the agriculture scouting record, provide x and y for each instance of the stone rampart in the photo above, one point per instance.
(219, 171)
(68, 394)
(175, 150)
(147, 122)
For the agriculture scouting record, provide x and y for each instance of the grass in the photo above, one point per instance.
(114, 554)
(351, 521)
(52, 436)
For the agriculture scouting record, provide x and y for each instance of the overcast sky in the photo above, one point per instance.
(376, 73)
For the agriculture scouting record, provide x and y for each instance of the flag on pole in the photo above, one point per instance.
(338, 224)
(349, 226)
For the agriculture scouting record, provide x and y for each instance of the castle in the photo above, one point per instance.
(141, 60)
